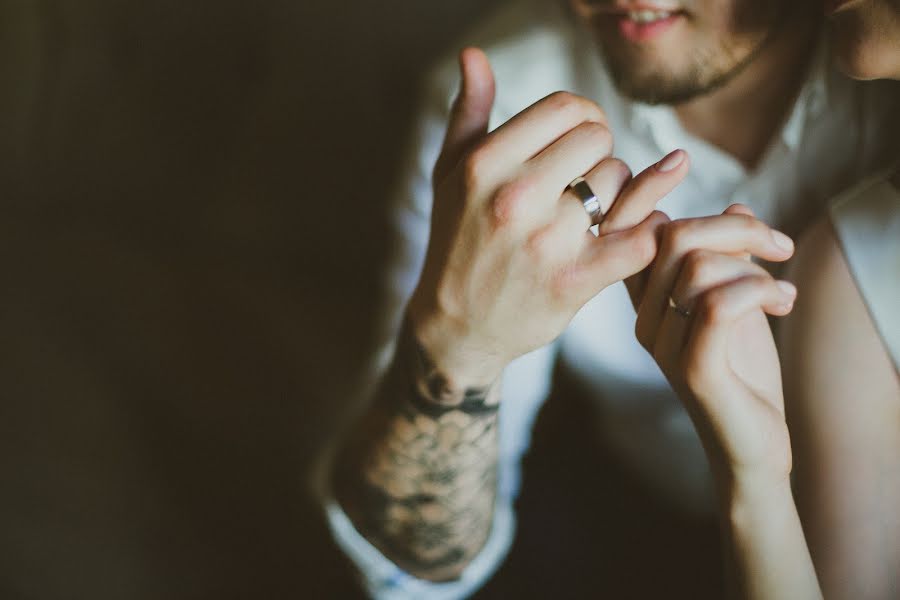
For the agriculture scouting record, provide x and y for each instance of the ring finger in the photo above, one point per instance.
(726, 234)
(700, 271)
(605, 181)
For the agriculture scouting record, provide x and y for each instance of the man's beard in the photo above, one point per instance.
(705, 68)
(707, 71)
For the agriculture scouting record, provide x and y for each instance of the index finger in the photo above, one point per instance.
(535, 128)
(641, 195)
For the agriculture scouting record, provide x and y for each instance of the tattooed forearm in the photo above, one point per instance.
(418, 476)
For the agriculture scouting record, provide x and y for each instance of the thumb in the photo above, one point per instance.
(471, 109)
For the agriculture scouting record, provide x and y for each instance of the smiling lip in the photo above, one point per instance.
(636, 21)
(634, 31)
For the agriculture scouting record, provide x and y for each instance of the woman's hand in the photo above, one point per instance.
(713, 341)
(702, 314)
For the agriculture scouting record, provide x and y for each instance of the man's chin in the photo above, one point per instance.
(647, 72)
(653, 87)
(652, 78)
(657, 92)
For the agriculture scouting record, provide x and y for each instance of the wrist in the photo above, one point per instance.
(445, 351)
(750, 496)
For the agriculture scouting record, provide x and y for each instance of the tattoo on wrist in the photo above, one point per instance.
(431, 391)
(421, 476)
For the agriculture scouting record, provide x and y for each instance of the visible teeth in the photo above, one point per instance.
(648, 16)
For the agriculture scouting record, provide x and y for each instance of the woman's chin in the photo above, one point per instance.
(866, 67)
(865, 49)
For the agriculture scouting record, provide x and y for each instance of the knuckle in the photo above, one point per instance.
(643, 247)
(711, 308)
(508, 202)
(643, 334)
(563, 100)
(697, 265)
(759, 283)
(598, 133)
(604, 139)
(752, 224)
(624, 171)
(762, 229)
(475, 167)
(597, 113)
(578, 105)
(738, 208)
(540, 244)
(751, 221)
(592, 128)
(677, 236)
(564, 283)
(659, 218)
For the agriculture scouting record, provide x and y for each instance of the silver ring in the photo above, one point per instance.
(683, 312)
(588, 199)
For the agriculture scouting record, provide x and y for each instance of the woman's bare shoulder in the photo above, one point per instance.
(830, 344)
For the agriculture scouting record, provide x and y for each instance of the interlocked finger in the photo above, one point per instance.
(725, 234)
(701, 271)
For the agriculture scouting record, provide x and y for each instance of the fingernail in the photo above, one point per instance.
(783, 241)
(670, 161)
(787, 287)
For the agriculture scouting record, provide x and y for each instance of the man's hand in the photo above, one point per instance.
(510, 261)
(511, 258)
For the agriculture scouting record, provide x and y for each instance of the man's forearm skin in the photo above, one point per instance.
(418, 475)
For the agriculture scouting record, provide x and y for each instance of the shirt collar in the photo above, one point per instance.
(812, 100)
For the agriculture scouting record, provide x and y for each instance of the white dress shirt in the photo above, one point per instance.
(830, 140)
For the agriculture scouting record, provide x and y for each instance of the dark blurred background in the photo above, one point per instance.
(192, 221)
(192, 225)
